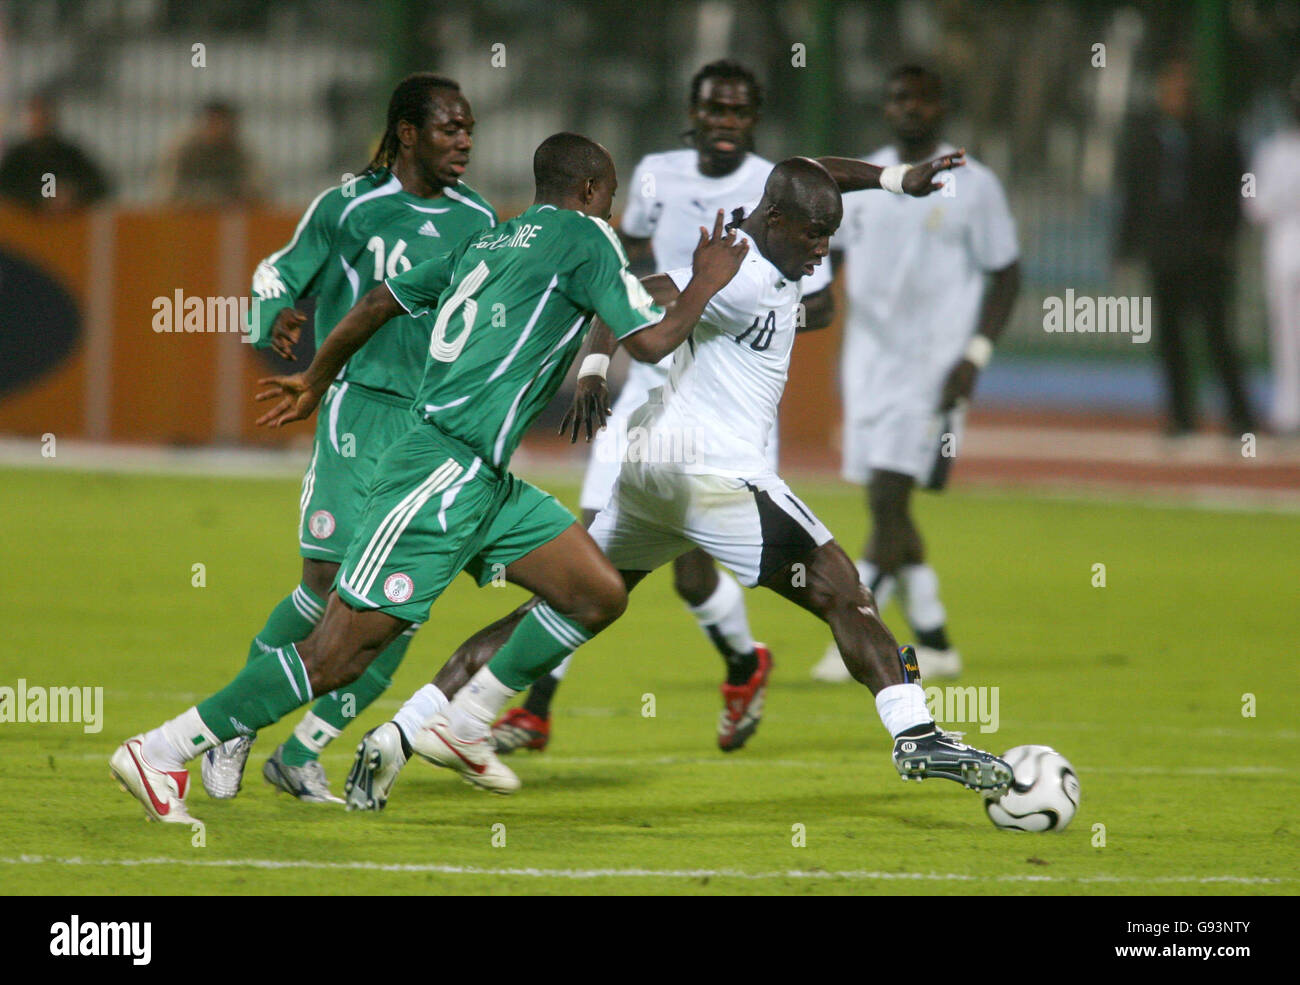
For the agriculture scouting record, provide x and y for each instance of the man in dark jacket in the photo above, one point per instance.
(45, 171)
(1180, 182)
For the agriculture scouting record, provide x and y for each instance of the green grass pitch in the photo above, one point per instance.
(1141, 684)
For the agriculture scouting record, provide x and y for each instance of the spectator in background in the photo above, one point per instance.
(1276, 207)
(210, 166)
(1180, 183)
(77, 181)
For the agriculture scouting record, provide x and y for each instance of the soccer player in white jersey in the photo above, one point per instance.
(670, 195)
(723, 390)
(930, 286)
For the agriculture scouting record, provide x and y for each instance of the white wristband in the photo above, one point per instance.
(891, 177)
(596, 364)
(979, 350)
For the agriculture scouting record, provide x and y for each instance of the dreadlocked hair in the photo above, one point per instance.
(409, 102)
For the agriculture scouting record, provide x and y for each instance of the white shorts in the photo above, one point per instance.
(900, 438)
(755, 526)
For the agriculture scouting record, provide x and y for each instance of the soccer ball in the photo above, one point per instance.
(1043, 796)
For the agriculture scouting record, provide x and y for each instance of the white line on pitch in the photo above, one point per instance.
(579, 874)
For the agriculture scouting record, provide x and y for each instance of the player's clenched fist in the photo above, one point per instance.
(718, 255)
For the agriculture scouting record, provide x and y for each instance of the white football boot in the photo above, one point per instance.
(378, 760)
(938, 664)
(475, 761)
(223, 766)
(162, 792)
(830, 668)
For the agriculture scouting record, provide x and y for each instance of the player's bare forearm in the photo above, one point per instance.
(600, 340)
(590, 407)
(717, 258)
(999, 299)
(995, 312)
(651, 344)
(367, 316)
(919, 180)
(850, 174)
(818, 310)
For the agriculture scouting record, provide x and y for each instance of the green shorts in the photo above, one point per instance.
(436, 509)
(354, 427)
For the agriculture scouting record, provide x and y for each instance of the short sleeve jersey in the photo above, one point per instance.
(512, 307)
(915, 267)
(349, 240)
(727, 380)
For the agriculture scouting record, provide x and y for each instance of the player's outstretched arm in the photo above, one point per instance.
(717, 258)
(917, 180)
(300, 393)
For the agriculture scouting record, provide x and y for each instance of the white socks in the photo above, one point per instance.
(919, 586)
(883, 592)
(724, 611)
(315, 733)
(902, 706)
(477, 705)
(559, 672)
(171, 744)
(420, 709)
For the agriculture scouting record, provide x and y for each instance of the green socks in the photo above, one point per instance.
(337, 710)
(538, 645)
(270, 686)
(290, 621)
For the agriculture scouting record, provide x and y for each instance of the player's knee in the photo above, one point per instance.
(327, 664)
(834, 582)
(695, 578)
(603, 602)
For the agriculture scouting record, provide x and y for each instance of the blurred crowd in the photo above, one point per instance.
(1183, 182)
(207, 166)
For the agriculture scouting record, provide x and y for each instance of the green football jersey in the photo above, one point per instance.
(350, 239)
(513, 305)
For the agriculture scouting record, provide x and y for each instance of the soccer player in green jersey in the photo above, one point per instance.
(513, 305)
(409, 206)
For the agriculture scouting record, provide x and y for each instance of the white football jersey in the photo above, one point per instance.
(669, 200)
(915, 273)
(726, 381)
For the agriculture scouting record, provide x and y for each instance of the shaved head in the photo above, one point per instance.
(800, 210)
(800, 187)
(564, 162)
